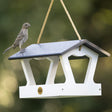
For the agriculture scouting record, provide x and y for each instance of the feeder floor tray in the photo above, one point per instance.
(60, 90)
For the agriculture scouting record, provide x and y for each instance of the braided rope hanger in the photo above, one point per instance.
(46, 18)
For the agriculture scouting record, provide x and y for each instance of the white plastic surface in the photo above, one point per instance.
(60, 90)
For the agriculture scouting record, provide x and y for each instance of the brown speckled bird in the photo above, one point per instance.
(21, 37)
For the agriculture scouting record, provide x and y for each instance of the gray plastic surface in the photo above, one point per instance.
(56, 48)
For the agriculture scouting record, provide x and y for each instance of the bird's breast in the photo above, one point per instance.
(25, 32)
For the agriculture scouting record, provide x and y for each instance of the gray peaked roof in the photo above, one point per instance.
(56, 48)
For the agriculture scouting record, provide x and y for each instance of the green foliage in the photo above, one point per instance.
(93, 19)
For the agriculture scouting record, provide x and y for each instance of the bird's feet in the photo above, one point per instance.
(22, 50)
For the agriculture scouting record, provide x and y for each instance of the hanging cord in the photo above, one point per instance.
(73, 25)
(45, 21)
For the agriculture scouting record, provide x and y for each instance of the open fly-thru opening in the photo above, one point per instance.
(40, 70)
(79, 68)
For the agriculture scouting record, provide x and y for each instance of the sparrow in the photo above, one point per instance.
(22, 37)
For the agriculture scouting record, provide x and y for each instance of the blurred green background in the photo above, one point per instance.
(93, 19)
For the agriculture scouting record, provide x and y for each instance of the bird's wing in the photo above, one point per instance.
(18, 39)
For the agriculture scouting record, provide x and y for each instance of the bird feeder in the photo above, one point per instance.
(61, 52)
(55, 52)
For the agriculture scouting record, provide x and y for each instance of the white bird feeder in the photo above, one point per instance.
(55, 52)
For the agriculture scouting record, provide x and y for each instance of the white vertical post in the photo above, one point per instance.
(52, 69)
(28, 72)
(91, 69)
(67, 69)
(93, 58)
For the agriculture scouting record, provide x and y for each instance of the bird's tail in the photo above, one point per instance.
(7, 49)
